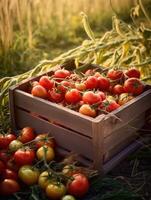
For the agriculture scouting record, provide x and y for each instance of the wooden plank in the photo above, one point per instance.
(54, 112)
(98, 145)
(64, 137)
(12, 109)
(112, 144)
(108, 166)
(128, 131)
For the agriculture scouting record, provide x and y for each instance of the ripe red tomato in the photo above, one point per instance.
(114, 74)
(86, 109)
(102, 95)
(5, 140)
(55, 95)
(24, 156)
(91, 82)
(4, 155)
(63, 86)
(11, 164)
(103, 83)
(73, 96)
(90, 97)
(26, 135)
(2, 167)
(118, 89)
(46, 82)
(79, 186)
(61, 74)
(44, 139)
(134, 86)
(10, 174)
(109, 106)
(133, 73)
(39, 91)
(9, 187)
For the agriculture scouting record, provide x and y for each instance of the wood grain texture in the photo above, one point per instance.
(54, 112)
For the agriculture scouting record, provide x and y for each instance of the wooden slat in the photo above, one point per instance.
(64, 137)
(120, 156)
(54, 112)
(119, 136)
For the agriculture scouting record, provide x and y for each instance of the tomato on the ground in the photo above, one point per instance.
(10, 174)
(44, 179)
(9, 187)
(15, 145)
(5, 140)
(45, 152)
(55, 190)
(26, 135)
(68, 197)
(44, 139)
(24, 156)
(28, 174)
(79, 186)
(2, 167)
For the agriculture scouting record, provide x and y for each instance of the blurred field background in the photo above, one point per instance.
(33, 30)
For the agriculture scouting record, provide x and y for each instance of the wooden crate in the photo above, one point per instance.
(102, 141)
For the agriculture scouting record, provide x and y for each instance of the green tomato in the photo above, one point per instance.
(68, 197)
(15, 145)
(28, 174)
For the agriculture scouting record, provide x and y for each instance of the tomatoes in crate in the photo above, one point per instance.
(84, 92)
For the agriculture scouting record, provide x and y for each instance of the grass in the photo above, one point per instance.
(31, 32)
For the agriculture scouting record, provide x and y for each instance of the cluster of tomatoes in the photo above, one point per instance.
(25, 160)
(92, 92)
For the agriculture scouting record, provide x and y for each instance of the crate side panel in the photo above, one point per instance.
(127, 113)
(64, 137)
(54, 112)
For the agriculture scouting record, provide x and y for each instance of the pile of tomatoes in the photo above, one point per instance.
(29, 159)
(91, 92)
